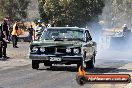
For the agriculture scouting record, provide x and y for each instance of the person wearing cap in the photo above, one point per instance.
(15, 35)
(124, 29)
(38, 29)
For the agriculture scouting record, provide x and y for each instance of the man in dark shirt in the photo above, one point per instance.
(4, 34)
(31, 33)
(5, 28)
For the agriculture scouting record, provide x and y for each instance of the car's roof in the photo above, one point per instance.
(71, 28)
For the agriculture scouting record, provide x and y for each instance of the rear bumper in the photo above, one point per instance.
(48, 57)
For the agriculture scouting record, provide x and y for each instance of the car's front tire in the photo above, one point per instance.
(35, 64)
(90, 63)
(82, 62)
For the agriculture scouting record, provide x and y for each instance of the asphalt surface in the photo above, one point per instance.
(17, 72)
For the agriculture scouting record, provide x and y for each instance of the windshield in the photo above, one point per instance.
(67, 34)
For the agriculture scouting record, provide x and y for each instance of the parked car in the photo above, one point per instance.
(63, 45)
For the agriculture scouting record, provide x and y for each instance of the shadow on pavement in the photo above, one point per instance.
(61, 68)
(100, 70)
(95, 70)
(106, 67)
(121, 70)
(74, 69)
(107, 70)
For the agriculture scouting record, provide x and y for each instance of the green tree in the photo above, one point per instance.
(14, 9)
(117, 12)
(70, 12)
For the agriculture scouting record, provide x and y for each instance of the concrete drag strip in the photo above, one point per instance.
(10, 63)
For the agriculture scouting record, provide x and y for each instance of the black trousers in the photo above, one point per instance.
(4, 46)
(14, 40)
(1, 49)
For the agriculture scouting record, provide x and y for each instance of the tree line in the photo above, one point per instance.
(64, 12)
(70, 12)
(14, 9)
(117, 12)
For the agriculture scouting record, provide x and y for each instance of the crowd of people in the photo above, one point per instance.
(6, 36)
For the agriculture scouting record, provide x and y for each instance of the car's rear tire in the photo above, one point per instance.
(35, 64)
(90, 64)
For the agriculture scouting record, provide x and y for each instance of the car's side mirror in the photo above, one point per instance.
(88, 39)
(88, 36)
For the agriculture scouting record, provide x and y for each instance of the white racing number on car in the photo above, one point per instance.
(55, 59)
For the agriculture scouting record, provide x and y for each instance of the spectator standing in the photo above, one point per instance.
(124, 30)
(31, 34)
(4, 35)
(49, 24)
(15, 35)
(53, 24)
(38, 29)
